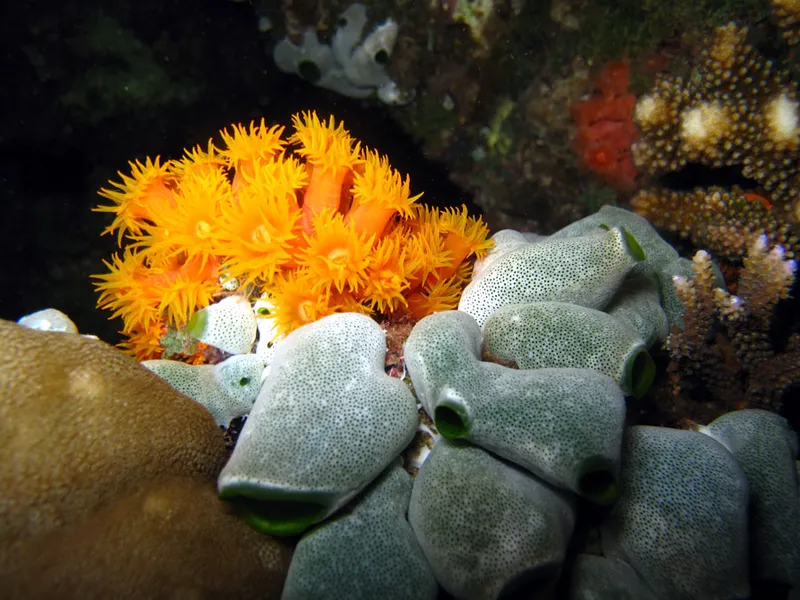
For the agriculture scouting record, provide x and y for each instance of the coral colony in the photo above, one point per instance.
(308, 225)
(740, 112)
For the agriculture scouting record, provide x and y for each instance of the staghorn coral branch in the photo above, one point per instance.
(725, 342)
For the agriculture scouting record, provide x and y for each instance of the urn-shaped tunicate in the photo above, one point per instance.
(583, 270)
(228, 389)
(311, 60)
(368, 552)
(328, 420)
(543, 335)
(229, 325)
(564, 425)
(657, 250)
(681, 518)
(765, 447)
(637, 303)
(487, 527)
(599, 578)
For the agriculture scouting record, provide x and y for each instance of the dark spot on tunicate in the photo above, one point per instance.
(381, 57)
(244, 381)
(264, 311)
(309, 71)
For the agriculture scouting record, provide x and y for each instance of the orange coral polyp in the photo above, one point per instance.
(387, 276)
(141, 295)
(248, 149)
(296, 303)
(463, 237)
(331, 155)
(189, 285)
(337, 256)
(257, 145)
(255, 233)
(379, 193)
(441, 296)
(149, 184)
(324, 192)
(188, 226)
(198, 162)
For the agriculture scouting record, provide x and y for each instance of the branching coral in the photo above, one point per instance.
(736, 111)
(324, 227)
(788, 14)
(726, 344)
(720, 220)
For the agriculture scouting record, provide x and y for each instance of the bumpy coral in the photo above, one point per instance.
(735, 111)
(788, 15)
(720, 220)
(329, 227)
(738, 364)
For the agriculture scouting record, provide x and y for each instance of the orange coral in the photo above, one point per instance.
(313, 222)
(606, 130)
(148, 185)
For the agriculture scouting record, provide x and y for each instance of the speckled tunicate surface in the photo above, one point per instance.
(503, 241)
(681, 519)
(662, 259)
(441, 355)
(368, 552)
(543, 335)
(583, 270)
(638, 304)
(599, 578)
(327, 420)
(657, 250)
(766, 448)
(228, 389)
(559, 423)
(484, 523)
(229, 325)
